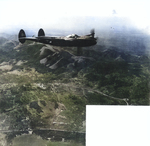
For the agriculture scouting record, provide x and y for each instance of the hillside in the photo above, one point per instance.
(48, 87)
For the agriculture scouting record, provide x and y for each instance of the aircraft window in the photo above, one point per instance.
(72, 36)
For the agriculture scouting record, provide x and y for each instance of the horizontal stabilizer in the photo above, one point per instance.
(22, 37)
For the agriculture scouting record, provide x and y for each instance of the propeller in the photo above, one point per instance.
(92, 32)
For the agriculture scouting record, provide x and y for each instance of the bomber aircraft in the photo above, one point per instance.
(72, 40)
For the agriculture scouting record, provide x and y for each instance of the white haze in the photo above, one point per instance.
(66, 14)
(116, 22)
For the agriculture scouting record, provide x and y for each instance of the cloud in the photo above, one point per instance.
(66, 14)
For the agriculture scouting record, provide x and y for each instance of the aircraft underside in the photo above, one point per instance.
(69, 43)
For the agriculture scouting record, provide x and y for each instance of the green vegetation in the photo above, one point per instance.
(33, 140)
(63, 144)
(76, 108)
(16, 100)
(34, 96)
(118, 79)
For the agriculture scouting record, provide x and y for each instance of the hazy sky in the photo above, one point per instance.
(61, 13)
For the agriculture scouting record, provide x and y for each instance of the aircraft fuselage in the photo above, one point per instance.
(55, 41)
(67, 41)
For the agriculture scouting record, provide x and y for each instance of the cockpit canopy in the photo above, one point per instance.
(72, 36)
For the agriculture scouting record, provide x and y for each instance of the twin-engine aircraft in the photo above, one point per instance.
(65, 41)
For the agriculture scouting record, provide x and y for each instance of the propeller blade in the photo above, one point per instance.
(92, 31)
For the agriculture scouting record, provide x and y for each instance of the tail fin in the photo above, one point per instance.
(41, 32)
(21, 36)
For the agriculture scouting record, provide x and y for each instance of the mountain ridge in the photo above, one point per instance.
(42, 85)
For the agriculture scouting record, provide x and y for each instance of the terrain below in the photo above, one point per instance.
(49, 87)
